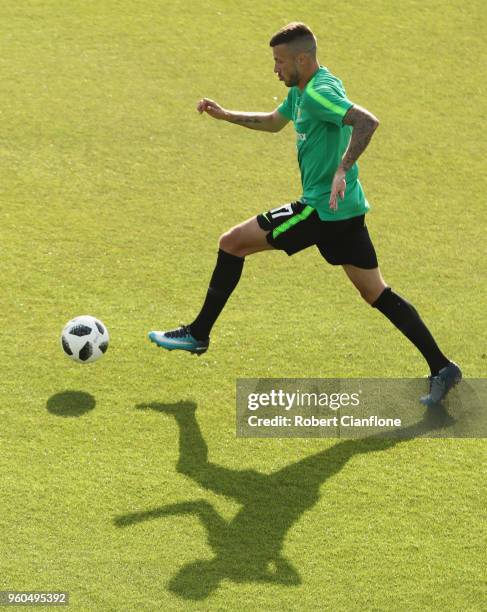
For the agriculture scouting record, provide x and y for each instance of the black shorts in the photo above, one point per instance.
(296, 226)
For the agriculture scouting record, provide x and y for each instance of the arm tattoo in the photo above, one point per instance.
(254, 121)
(364, 125)
(244, 119)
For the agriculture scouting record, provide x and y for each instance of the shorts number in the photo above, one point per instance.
(281, 211)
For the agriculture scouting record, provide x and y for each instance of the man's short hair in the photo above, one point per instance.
(296, 34)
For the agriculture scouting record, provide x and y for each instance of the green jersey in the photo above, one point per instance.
(321, 140)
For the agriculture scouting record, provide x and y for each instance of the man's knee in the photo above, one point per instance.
(232, 241)
(372, 293)
(370, 290)
(369, 283)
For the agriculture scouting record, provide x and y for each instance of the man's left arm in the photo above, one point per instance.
(364, 125)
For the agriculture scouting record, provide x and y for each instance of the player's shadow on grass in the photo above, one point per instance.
(248, 548)
(70, 403)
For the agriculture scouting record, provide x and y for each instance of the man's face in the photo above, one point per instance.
(285, 65)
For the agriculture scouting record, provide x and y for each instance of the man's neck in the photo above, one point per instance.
(308, 75)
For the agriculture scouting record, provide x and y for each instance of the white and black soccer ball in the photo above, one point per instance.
(84, 339)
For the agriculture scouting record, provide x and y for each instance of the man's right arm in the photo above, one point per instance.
(266, 122)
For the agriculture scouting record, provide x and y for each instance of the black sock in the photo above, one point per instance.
(225, 278)
(406, 318)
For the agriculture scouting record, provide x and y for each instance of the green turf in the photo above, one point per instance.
(113, 194)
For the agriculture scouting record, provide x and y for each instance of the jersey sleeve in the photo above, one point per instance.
(326, 103)
(286, 108)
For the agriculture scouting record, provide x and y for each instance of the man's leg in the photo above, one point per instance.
(242, 240)
(444, 373)
(400, 312)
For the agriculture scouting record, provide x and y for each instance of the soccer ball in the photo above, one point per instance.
(84, 339)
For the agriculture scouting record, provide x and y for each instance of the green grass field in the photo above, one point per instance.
(113, 192)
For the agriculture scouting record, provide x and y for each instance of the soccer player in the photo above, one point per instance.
(331, 133)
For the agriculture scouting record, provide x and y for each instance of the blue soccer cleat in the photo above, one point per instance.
(179, 338)
(447, 378)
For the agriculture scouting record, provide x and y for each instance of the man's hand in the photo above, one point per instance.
(338, 186)
(212, 108)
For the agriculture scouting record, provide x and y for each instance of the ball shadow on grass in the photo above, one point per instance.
(70, 403)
